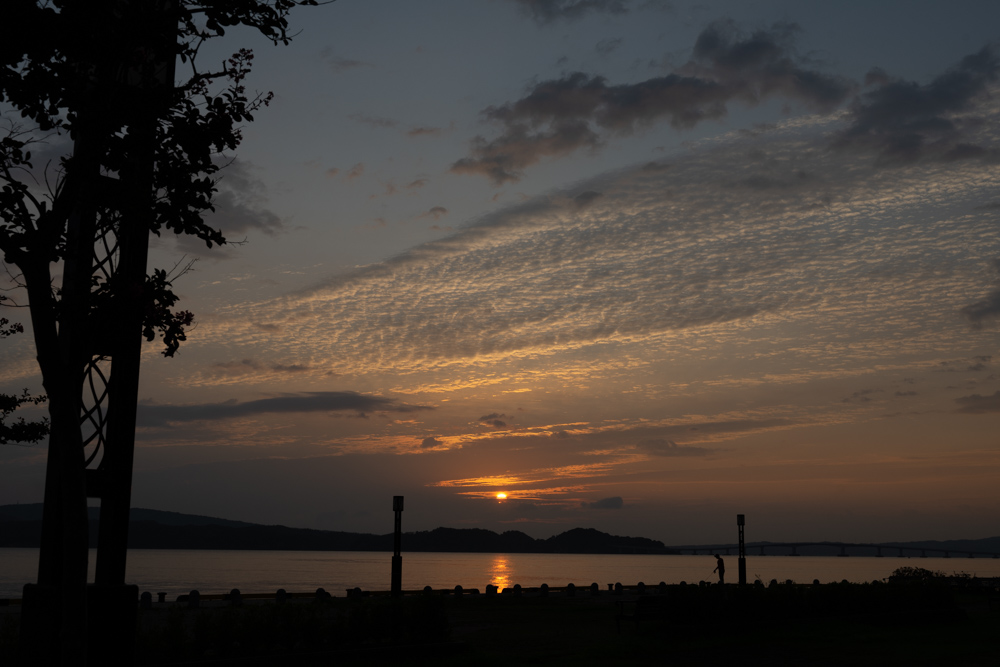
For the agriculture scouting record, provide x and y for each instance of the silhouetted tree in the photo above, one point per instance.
(18, 430)
(101, 73)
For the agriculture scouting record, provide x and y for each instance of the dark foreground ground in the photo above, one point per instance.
(782, 624)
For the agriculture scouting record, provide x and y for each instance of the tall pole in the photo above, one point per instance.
(743, 551)
(397, 560)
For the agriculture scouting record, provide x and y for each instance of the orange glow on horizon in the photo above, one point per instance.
(501, 496)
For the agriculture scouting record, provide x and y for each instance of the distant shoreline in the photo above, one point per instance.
(20, 526)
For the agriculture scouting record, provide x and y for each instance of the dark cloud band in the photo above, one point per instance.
(560, 116)
(550, 11)
(321, 401)
(903, 121)
(977, 404)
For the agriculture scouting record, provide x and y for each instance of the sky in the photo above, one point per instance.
(641, 265)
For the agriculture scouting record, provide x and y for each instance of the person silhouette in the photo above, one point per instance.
(720, 567)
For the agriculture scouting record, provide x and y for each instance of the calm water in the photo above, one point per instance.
(177, 571)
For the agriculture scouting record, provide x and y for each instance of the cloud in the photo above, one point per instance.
(424, 132)
(976, 404)
(417, 184)
(430, 443)
(586, 198)
(614, 503)
(373, 121)
(606, 47)
(340, 64)
(494, 419)
(761, 64)
(861, 396)
(245, 367)
(436, 213)
(549, 11)
(237, 367)
(321, 401)
(988, 307)
(240, 203)
(504, 159)
(356, 171)
(663, 447)
(877, 76)
(876, 269)
(239, 212)
(903, 121)
(762, 182)
(290, 368)
(560, 116)
(980, 362)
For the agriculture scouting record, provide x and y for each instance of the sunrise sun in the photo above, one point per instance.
(501, 496)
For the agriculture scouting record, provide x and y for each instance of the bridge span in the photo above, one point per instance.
(842, 549)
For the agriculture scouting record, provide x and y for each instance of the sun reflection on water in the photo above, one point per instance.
(500, 572)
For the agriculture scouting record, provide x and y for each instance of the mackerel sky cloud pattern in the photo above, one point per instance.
(659, 252)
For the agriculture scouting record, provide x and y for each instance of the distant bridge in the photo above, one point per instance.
(844, 549)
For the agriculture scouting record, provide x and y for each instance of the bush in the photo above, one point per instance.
(915, 575)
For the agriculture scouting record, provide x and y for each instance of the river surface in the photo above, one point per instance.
(176, 571)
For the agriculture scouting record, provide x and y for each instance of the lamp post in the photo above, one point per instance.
(743, 551)
(397, 560)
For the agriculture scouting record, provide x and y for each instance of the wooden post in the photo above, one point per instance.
(740, 521)
(397, 559)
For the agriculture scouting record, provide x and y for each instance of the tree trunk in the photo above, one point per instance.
(62, 344)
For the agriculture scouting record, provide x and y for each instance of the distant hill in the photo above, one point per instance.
(21, 526)
(33, 512)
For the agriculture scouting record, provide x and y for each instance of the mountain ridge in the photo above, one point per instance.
(20, 526)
